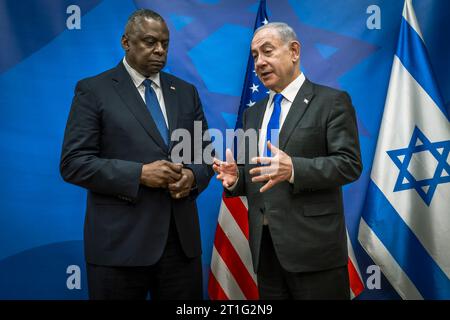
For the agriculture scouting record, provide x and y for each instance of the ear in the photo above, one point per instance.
(124, 42)
(295, 51)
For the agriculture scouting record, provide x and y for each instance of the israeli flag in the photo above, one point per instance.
(405, 225)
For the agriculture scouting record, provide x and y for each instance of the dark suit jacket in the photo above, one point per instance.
(109, 136)
(306, 218)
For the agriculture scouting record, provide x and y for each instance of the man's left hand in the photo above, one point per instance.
(182, 187)
(274, 170)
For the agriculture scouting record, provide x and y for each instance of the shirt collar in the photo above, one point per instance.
(139, 78)
(291, 90)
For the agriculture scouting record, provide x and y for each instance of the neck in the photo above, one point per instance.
(294, 76)
(132, 65)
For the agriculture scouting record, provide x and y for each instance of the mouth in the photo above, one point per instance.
(265, 75)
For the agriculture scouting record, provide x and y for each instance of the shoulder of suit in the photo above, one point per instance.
(326, 91)
(178, 82)
(103, 75)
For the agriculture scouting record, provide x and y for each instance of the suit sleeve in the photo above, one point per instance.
(343, 163)
(203, 171)
(81, 162)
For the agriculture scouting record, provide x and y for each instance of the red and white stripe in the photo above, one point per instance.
(356, 283)
(231, 276)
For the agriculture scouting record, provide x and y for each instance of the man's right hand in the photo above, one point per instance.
(160, 173)
(227, 171)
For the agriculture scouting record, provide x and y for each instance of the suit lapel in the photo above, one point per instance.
(171, 103)
(132, 99)
(299, 106)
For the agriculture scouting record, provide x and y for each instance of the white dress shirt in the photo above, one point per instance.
(138, 80)
(288, 94)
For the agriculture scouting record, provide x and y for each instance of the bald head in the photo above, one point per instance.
(135, 20)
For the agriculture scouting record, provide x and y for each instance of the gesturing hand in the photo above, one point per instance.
(276, 169)
(227, 171)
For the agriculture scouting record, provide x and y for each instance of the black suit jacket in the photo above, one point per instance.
(109, 135)
(306, 218)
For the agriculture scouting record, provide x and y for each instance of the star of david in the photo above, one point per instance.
(402, 158)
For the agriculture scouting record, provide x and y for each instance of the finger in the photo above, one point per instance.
(261, 160)
(216, 168)
(180, 184)
(174, 177)
(262, 178)
(175, 166)
(181, 194)
(267, 186)
(229, 156)
(173, 187)
(228, 183)
(263, 170)
(255, 171)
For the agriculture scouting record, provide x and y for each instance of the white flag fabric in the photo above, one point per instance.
(405, 225)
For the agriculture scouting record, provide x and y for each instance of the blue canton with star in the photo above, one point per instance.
(402, 158)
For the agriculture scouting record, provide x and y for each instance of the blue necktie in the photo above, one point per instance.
(274, 122)
(155, 110)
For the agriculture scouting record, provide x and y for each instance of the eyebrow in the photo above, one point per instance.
(154, 37)
(265, 44)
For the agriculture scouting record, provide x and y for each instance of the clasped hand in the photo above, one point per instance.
(172, 176)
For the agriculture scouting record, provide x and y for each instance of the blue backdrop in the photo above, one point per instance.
(41, 217)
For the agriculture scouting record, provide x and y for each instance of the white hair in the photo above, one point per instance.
(285, 32)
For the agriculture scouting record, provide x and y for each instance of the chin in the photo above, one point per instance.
(153, 71)
(268, 84)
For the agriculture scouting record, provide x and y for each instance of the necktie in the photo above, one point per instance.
(274, 123)
(155, 110)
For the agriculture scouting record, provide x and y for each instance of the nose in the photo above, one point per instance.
(259, 63)
(159, 49)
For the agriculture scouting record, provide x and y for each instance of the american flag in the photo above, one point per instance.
(231, 276)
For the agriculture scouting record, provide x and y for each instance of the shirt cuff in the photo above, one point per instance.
(291, 180)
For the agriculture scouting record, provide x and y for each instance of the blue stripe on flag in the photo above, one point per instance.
(404, 246)
(412, 53)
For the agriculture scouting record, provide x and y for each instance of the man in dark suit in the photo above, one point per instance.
(141, 230)
(296, 220)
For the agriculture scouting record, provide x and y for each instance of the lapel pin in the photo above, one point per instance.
(306, 101)
(172, 88)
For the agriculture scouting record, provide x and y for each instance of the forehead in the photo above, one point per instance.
(145, 27)
(266, 36)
